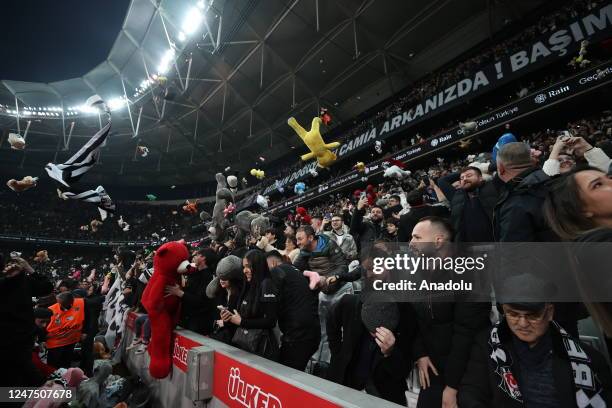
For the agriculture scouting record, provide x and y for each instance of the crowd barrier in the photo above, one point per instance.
(208, 373)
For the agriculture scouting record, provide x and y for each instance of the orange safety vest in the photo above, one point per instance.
(66, 325)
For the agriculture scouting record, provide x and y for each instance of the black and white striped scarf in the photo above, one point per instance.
(80, 163)
(587, 386)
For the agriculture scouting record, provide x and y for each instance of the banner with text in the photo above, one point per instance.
(586, 81)
(596, 25)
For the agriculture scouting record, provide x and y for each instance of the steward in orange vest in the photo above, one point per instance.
(66, 324)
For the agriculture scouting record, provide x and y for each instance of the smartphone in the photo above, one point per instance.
(564, 135)
(362, 195)
(221, 307)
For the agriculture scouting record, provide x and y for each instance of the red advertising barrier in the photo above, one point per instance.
(238, 385)
(181, 348)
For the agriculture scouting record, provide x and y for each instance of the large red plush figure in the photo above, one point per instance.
(163, 310)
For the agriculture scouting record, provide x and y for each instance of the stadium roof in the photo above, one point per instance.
(236, 71)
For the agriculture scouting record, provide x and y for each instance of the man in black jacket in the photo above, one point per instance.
(519, 218)
(518, 213)
(18, 284)
(529, 360)
(472, 204)
(298, 316)
(446, 329)
(367, 231)
(418, 210)
(370, 345)
(198, 312)
(318, 253)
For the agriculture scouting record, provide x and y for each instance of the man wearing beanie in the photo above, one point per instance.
(198, 312)
(370, 346)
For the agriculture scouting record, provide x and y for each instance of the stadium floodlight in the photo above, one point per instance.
(116, 103)
(192, 20)
(166, 60)
(182, 37)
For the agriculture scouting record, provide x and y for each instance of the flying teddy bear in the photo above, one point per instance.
(16, 141)
(24, 184)
(169, 261)
(191, 207)
(313, 140)
(41, 256)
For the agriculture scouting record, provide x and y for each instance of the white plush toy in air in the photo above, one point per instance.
(468, 127)
(396, 173)
(16, 141)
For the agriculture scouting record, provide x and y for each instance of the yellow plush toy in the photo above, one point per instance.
(313, 140)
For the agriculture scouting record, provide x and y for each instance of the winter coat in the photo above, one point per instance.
(488, 194)
(198, 312)
(16, 314)
(480, 387)
(327, 259)
(348, 245)
(518, 215)
(345, 330)
(446, 331)
(365, 230)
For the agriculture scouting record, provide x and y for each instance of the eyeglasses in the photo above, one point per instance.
(514, 317)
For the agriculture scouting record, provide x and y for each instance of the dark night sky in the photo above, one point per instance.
(53, 40)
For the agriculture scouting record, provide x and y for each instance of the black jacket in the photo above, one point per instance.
(518, 215)
(16, 308)
(410, 219)
(480, 385)
(446, 331)
(198, 312)
(488, 195)
(345, 331)
(298, 308)
(365, 230)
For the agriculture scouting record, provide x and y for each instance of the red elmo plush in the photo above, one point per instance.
(303, 216)
(163, 310)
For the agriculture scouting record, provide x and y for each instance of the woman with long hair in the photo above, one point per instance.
(579, 203)
(579, 208)
(258, 308)
(226, 289)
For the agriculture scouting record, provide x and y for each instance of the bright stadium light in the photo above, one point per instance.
(182, 37)
(192, 21)
(166, 60)
(116, 103)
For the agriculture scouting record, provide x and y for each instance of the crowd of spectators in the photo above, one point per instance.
(303, 285)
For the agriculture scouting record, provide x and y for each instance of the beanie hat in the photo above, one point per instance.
(79, 293)
(228, 268)
(375, 314)
(503, 140)
(42, 313)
